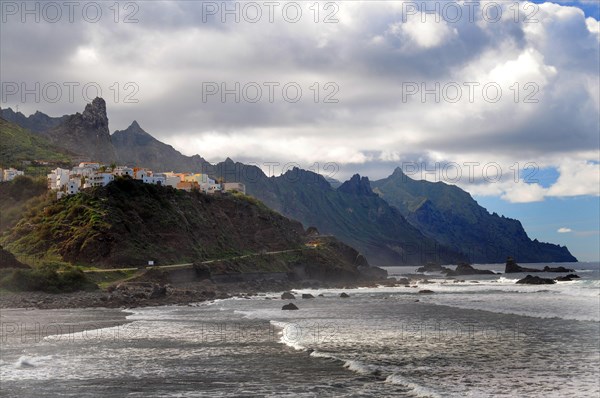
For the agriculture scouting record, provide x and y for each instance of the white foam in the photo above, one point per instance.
(24, 363)
(416, 390)
(287, 336)
(360, 367)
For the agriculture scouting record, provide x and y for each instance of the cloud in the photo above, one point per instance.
(564, 230)
(548, 110)
(577, 178)
(424, 35)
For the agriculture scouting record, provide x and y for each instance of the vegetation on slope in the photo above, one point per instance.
(17, 195)
(47, 279)
(18, 145)
(128, 223)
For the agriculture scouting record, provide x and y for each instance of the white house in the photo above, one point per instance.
(210, 187)
(10, 174)
(123, 171)
(73, 186)
(98, 180)
(58, 178)
(171, 179)
(158, 179)
(140, 174)
(85, 169)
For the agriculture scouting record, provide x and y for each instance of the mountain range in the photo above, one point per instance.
(393, 221)
(452, 217)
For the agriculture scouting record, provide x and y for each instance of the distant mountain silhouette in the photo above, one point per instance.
(353, 213)
(452, 217)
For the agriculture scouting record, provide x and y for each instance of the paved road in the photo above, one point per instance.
(185, 265)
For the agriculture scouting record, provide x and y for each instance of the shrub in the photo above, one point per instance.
(47, 280)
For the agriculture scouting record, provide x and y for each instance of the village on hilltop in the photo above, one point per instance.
(10, 174)
(93, 174)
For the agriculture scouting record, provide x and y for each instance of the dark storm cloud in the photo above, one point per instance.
(374, 50)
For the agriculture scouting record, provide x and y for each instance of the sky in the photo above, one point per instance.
(500, 98)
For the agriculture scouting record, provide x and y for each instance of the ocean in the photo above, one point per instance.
(482, 337)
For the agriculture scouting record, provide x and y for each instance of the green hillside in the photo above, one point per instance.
(18, 145)
(127, 223)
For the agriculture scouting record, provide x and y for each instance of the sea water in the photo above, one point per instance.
(484, 337)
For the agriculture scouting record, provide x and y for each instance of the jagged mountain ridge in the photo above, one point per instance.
(37, 122)
(451, 216)
(88, 136)
(313, 201)
(134, 146)
(352, 213)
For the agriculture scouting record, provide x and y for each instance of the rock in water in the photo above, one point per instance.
(307, 296)
(289, 307)
(467, 269)
(426, 292)
(287, 296)
(566, 278)
(557, 269)
(344, 295)
(512, 267)
(535, 280)
(432, 267)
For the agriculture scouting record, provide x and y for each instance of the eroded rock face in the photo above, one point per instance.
(86, 133)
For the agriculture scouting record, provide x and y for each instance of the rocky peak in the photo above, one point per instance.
(134, 128)
(357, 185)
(94, 115)
(400, 175)
(297, 175)
(86, 133)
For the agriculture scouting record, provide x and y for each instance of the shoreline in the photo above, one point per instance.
(148, 294)
(25, 326)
